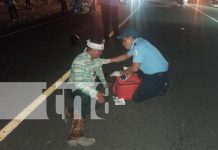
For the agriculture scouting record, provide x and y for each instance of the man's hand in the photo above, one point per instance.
(108, 85)
(100, 97)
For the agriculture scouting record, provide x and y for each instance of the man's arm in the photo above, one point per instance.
(77, 78)
(100, 75)
(120, 58)
(133, 68)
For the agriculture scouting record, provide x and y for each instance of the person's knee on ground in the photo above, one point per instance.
(150, 87)
(139, 99)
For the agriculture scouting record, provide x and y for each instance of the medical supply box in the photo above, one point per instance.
(126, 88)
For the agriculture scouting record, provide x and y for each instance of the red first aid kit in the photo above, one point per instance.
(126, 88)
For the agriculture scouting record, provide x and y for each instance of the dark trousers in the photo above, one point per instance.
(150, 86)
(181, 2)
(27, 3)
(86, 100)
(13, 11)
(63, 6)
(76, 6)
(110, 14)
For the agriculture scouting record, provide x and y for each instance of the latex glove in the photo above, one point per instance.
(124, 67)
(115, 74)
(105, 61)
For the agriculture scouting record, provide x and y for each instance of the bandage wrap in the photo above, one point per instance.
(96, 46)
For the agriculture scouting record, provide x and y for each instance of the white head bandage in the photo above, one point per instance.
(96, 46)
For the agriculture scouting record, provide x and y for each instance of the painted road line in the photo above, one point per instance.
(8, 128)
(203, 13)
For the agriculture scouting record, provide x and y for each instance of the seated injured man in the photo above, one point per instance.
(85, 68)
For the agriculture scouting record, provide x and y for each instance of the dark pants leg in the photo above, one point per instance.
(115, 20)
(13, 11)
(27, 3)
(150, 86)
(10, 11)
(76, 6)
(181, 2)
(63, 4)
(105, 9)
(86, 100)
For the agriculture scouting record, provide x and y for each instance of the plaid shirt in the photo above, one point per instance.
(84, 71)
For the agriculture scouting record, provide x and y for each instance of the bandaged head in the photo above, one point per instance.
(95, 45)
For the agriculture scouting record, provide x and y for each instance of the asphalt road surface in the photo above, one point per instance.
(184, 119)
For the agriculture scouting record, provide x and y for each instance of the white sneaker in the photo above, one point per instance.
(72, 142)
(84, 141)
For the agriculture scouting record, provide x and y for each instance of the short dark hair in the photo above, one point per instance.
(96, 40)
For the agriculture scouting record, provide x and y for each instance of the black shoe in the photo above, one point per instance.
(163, 90)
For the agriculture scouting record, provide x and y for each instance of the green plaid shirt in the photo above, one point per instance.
(84, 71)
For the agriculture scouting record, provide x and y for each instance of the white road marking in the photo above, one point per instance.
(13, 124)
(203, 13)
(7, 129)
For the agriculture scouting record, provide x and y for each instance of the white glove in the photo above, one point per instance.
(115, 74)
(105, 61)
(124, 67)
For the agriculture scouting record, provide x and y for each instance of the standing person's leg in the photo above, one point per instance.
(27, 3)
(115, 19)
(75, 6)
(62, 6)
(10, 11)
(105, 11)
(150, 86)
(93, 5)
(65, 5)
(14, 9)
